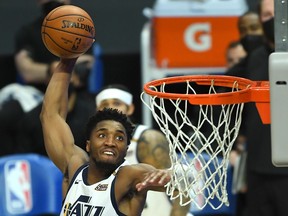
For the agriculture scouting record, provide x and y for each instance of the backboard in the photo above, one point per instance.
(278, 77)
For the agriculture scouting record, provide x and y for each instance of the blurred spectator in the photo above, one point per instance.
(251, 37)
(234, 53)
(15, 100)
(32, 58)
(250, 30)
(81, 107)
(34, 63)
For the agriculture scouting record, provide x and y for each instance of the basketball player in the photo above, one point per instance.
(147, 146)
(100, 183)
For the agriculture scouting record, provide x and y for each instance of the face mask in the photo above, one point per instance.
(251, 42)
(49, 6)
(268, 28)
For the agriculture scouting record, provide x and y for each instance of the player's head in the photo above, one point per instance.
(249, 24)
(234, 53)
(113, 115)
(108, 135)
(267, 13)
(250, 30)
(115, 96)
(266, 10)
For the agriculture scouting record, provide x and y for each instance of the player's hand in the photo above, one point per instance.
(65, 65)
(157, 178)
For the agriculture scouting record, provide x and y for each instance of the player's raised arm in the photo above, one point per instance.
(58, 138)
(144, 177)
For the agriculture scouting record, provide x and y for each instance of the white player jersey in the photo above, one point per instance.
(157, 203)
(97, 199)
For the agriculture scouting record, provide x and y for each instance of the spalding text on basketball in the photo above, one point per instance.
(69, 24)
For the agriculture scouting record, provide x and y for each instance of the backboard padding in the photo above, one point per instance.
(278, 76)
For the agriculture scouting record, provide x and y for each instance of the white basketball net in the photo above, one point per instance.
(199, 144)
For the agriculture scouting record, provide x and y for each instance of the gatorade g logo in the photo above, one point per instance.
(197, 37)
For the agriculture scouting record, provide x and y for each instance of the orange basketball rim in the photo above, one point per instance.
(243, 91)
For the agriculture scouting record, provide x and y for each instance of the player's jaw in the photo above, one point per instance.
(108, 159)
(108, 154)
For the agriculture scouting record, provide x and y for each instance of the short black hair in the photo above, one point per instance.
(249, 12)
(110, 114)
(233, 44)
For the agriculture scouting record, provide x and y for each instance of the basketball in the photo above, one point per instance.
(68, 31)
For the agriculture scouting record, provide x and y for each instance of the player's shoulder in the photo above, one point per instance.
(75, 162)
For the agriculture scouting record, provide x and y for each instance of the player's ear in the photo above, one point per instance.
(88, 145)
(131, 109)
(127, 148)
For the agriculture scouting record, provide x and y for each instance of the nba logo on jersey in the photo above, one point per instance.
(18, 186)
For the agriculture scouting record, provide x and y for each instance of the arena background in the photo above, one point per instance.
(118, 27)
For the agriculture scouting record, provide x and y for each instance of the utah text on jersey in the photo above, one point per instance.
(82, 206)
